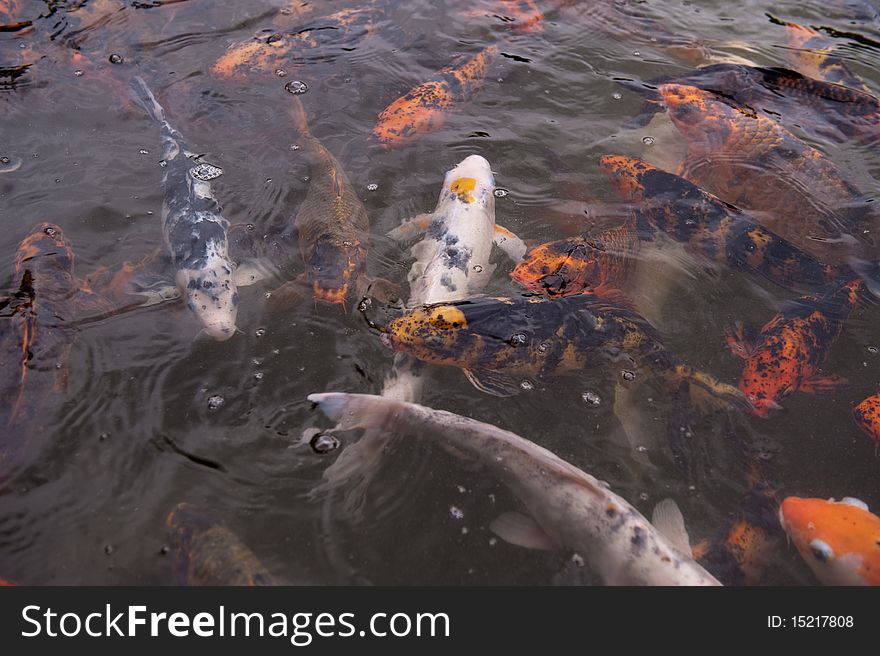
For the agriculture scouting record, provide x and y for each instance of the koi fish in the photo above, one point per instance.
(332, 226)
(840, 540)
(40, 329)
(424, 108)
(567, 508)
(196, 234)
(499, 341)
(12, 16)
(822, 109)
(524, 15)
(451, 262)
(811, 54)
(753, 163)
(263, 55)
(867, 417)
(708, 227)
(588, 263)
(206, 552)
(789, 352)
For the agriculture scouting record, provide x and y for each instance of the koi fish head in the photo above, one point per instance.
(433, 333)
(700, 116)
(560, 268)
(471, 182)
(212, 296)
(332, 267)
(626, 174)
(840, 540)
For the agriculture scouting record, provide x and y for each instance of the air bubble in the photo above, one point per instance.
(258, 375)
(103, 437)
(324, 443)
(478, 268)
(260, 332)
(296, 87)
(143, 151)
(116, 59)
(456, 513)
(109, 549)
(648, 141)
(78, 73)
(644, 496)
(50, 231)
(250, 227)
(873, 349)
(372, 186)
(9, 164)
(518, 339)
(591, 398)
(280, 72)
(628, 375)
(215, 401)
(527, 385)
(294, 146)
(163, 163)
(641, 448)
(500, 192)
(616, 95)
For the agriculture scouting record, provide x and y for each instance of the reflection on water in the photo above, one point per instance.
(154, 414)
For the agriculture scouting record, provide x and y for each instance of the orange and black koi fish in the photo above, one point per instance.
(524, 15)
(263, 55)
(707, 226)
(206, 552)
(789, 352)
(822, 109)
(812, 54)
(795, 191)
(331, 223)
(12, 16)
(589, 263)
(498, 342)
(38, 332)
(867, 417)
(839, 540)
(424, 108)
(740, 554)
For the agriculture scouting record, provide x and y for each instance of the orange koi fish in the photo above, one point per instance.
(789, 352)
(867, 417)
(812, 54)
(424, 108)
(840, 540)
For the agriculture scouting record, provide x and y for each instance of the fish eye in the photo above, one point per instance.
(821, 551)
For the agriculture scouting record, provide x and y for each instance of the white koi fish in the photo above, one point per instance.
(567, 508)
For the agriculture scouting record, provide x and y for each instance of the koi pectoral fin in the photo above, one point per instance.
(740, 345)
(411, 228)
(827, 384)
(509, 243)
(523, 531)
(492, 382)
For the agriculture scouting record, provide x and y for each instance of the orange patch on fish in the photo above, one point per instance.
(463, 187)
(867, 417)
(424, 108)
(839, 540)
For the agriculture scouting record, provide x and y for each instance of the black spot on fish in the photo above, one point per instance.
(446, 281)
(638, 540)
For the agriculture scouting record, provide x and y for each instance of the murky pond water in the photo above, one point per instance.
(153, 414)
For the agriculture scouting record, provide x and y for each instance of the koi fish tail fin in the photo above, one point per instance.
(870, 273)
(708, 393)
(298, 114)
(146, 100)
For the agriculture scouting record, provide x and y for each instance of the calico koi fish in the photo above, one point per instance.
(788, 354)
(867, 417)
(423, 109)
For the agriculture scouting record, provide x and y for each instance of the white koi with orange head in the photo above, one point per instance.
(840, 540)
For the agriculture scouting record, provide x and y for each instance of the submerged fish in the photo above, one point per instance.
(567, 508)
(498, 342)
(331, 223)
(708, 227)
(205, 552)
(38, 330)
(12, 16)
(286, 51)
(195, 231)
(867, 417)
(591, 263)
(524, 16)
(822, 109)
(753, 163)
(424, 108)
(840, 540)
(812, 54)
(451, 262)
(788, 354)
